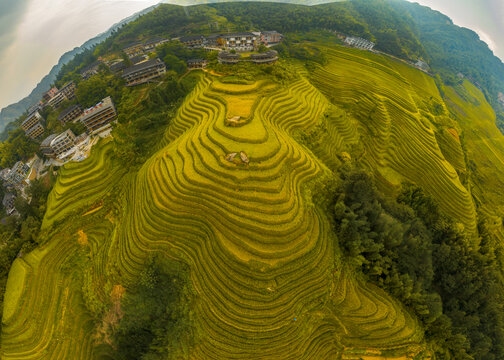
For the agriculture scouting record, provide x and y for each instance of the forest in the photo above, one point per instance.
(411, 249)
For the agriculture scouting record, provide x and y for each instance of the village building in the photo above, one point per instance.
(359, 43)
(267, 57)
(70, 114)
(270, 38)
(238, 41)
(49, 94)
(68, 90)
(212, 42)
(4, 173)
(98, 118)
(36, 107)
(144, 72)
(501, 98)
(138, 59)
(45, 146)
(151, 44)
(134, 49)
(422, 65)
(56, 100)
(90, 70)
(63, 142)
(196, 63)
(8, 203)
(32, 125)
(117, 66)
(225, 57)
(193, 41)
(17, 174)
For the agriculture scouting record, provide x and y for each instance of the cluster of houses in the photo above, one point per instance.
(244, 41)
(144, 69)
(359, 43)
(57, 148)
(14, 178)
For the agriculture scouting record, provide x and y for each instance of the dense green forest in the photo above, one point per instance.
(411, 249)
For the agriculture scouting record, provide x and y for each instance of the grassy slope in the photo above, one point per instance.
(269, 282)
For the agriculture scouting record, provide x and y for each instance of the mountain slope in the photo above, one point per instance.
(251, 211)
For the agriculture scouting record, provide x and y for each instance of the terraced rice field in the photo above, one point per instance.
(269, 281)
(397, 111)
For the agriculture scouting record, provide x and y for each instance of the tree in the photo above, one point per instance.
(156, 322)
(174, 63)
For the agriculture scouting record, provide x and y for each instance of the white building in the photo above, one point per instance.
(63, 142)
(359, 43)
(422, 65)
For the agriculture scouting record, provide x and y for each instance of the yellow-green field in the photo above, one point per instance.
(261, 252)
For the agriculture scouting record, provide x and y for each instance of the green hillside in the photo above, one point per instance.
(355, 211)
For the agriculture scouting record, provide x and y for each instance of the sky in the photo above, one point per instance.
(35, 33)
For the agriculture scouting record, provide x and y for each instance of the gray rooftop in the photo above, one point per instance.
(47, 140)
(67, 111)
(145, 65)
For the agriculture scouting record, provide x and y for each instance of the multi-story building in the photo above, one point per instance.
(63, 142)
(99, 117)
(68, 90)
(211, 41)
(138, 59)
(32, 125)
(17, 174)
(70, 114)
(90, 70)
(267, 57)
(49, 94)
(56, 100)
(271, 37)
(36, 107)
(117, 67)
(193, 41)
(134, 49)
(238, 41)
(359, 43)
(225, 57)
(196, 63)
(4, 173)
(144, 72)
(45, 146)
(35, 131)
(153, 43)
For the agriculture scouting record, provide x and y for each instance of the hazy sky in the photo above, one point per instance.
(35, 33)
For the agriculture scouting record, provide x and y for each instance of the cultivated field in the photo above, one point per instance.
(239, 205)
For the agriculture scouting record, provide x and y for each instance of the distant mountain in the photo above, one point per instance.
(13, 111)
(200, 2)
